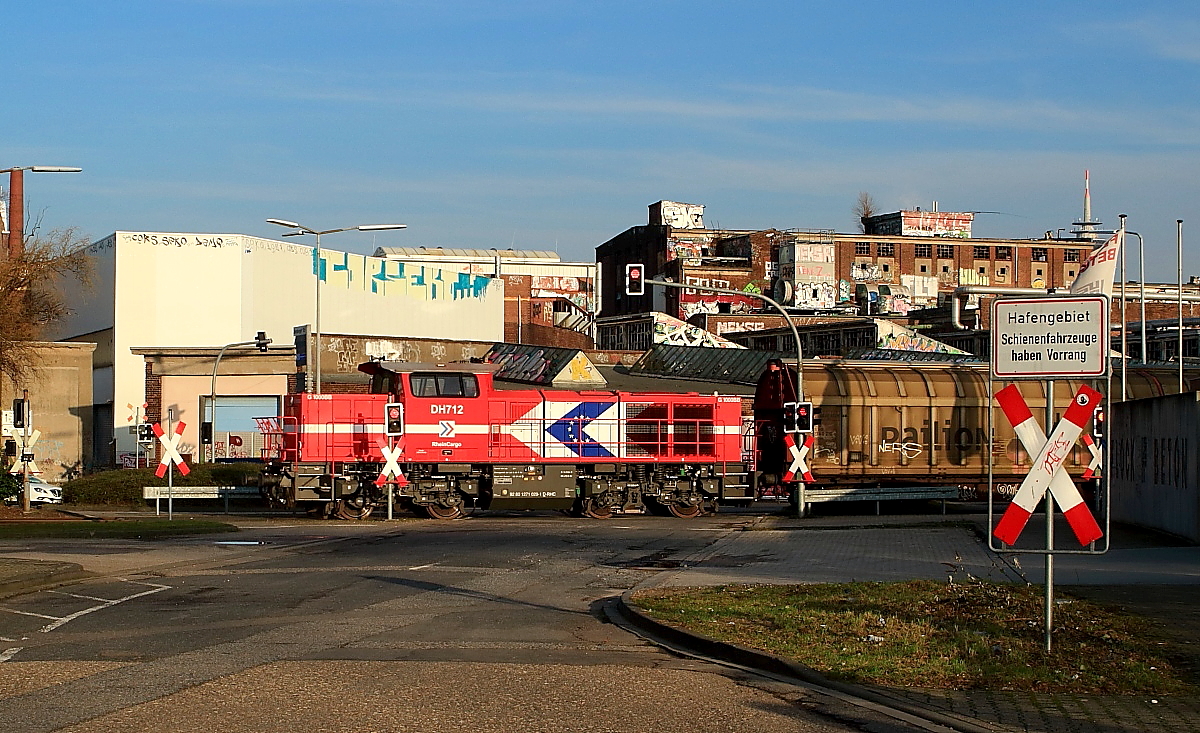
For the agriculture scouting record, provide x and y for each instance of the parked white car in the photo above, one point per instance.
(40, 492)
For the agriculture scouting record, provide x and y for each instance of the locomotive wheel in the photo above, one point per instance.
(437, 511)
(684, 511)
(595, 510)
(356, 507)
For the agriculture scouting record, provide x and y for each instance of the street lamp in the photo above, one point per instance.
(16, 202)
(261, 342)
(301, 230)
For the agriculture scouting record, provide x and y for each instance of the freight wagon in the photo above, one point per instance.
(899, 425)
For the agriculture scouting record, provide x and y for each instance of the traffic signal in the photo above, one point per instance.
(21, 416)
(635, 279)
(206, 433)
(394, 415)
(145, 433)
(797, 417)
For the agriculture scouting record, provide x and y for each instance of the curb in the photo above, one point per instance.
(624, 613)
(39, 575)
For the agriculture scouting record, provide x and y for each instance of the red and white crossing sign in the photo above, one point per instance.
(27, 450)
(170, 450)
(799, 456)
(1093, 469)
(391, 468)
(1046, 471)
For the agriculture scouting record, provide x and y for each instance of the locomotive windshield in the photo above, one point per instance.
(441, 384)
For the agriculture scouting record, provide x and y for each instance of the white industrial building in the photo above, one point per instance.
(538, 285)
(155, 289)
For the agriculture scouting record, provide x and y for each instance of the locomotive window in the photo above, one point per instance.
(423, 385)
(386, 383)
(444, 385)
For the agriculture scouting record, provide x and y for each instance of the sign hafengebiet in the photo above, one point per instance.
(1050, 337)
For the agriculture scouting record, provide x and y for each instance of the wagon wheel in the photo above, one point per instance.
(354, 507)
(596, 510)
(684, 511)
(437, 511)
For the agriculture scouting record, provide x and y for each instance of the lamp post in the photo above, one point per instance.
(301, 230)
(1179, 291)
(262, 342)
(16, 202)
(1124, 320)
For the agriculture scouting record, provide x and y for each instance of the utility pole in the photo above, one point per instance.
(27, 419)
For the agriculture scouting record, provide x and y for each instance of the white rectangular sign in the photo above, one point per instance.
(1050, 337)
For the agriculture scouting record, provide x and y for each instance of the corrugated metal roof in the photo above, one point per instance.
(695, 362)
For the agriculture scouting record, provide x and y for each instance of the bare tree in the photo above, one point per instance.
(31, 294)
(864, 208)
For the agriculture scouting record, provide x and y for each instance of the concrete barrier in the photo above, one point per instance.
(1154, 444)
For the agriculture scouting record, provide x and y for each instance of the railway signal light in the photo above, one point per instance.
(797, 417)
(206, 433)
(394, 415)
(21, 416)
(635, 282)
(261, 342)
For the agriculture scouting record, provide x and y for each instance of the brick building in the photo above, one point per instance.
(906, 261)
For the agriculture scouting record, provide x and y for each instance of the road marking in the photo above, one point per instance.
(154, 588)
(27, 613)
(422, 567)
(76, 595)
(58, 621)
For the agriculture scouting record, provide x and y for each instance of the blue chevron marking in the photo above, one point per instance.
(570, 430)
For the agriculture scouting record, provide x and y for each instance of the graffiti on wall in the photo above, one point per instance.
(674, 332)
(923, 289)
(865, 271)
(390, 277)
(347, 352)
(815, 294)
(725, 327)
(908, 341)
(576, 290)
(967, 276)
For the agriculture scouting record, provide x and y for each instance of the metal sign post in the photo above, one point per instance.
(1047, 338)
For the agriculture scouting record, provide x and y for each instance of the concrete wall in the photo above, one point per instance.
(60, 395)
(1154, 444)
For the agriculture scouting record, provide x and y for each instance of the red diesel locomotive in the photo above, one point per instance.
(456, 442)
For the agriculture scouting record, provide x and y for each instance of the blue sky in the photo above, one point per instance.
(554, 124)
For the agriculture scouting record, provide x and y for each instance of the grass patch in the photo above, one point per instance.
(143, 529)
(930, 635)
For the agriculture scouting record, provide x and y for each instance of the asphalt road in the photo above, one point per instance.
(487, 624)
